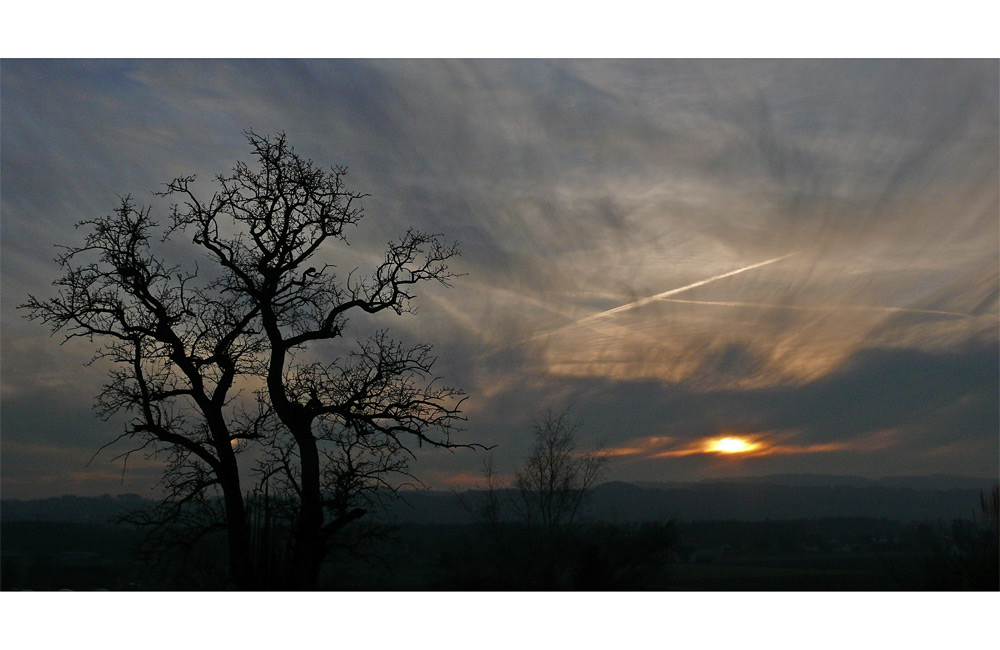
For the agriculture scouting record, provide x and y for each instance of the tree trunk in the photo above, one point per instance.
(241, 565)
(309, 543)
(241, 568)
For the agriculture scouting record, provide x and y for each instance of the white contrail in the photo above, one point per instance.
(666, 294)
(649, 299)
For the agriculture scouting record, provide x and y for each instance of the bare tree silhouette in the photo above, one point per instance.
(556, 476)
(214, 364)
(529, 521)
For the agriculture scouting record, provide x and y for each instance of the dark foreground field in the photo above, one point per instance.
(824, 554)
(781, 533)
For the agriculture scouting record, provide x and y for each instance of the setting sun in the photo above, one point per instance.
(731, 445)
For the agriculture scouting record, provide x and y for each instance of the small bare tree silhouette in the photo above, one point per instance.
(556, 475)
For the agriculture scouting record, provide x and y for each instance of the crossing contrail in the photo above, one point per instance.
(672, 292)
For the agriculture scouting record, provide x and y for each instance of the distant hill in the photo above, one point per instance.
(95, 510)
(938, 482)
(917, 482)
(779, 496)
(918, 498)
(750, 501)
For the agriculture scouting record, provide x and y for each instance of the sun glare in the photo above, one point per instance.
(731, 445)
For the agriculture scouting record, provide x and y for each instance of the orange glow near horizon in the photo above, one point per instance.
(742, 445)
(731, 445)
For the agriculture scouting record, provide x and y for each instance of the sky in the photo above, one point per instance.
(799, 255)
